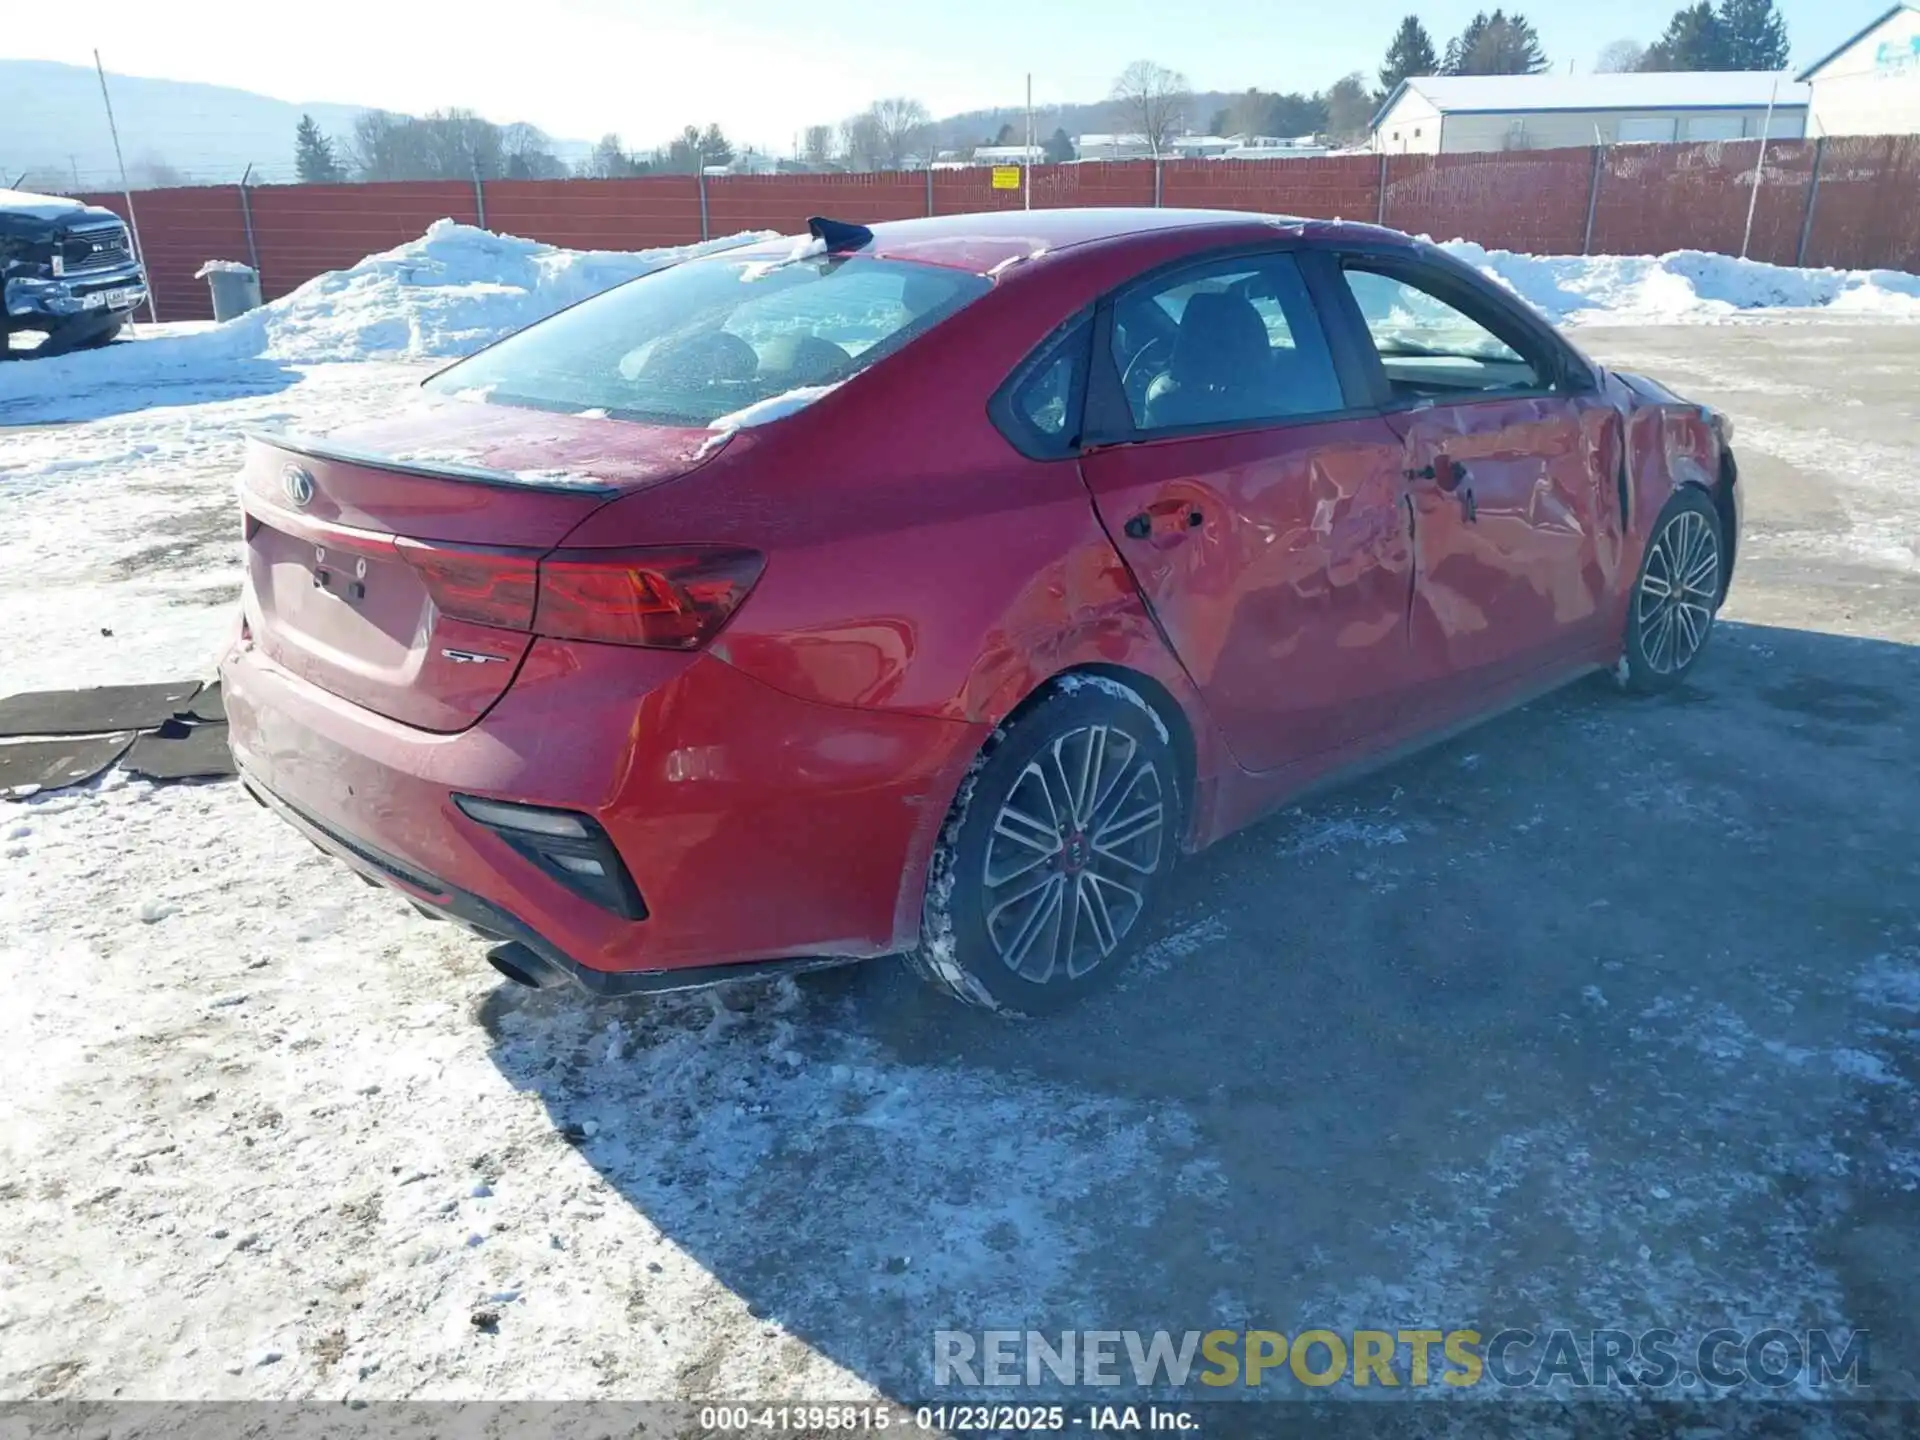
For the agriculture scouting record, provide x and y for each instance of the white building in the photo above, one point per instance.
(1274, 147)
(1112, 147)
(1871, 84)
(1432, 114)
(1009, 154)
(1200, 147)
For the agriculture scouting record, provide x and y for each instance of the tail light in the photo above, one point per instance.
(488, 587)
(672, 598)
(666, 599)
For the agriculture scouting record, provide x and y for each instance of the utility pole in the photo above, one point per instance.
(1026, 166)
(1759, 167)
(126, 190)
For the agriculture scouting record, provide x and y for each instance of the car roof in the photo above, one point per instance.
(980, 242)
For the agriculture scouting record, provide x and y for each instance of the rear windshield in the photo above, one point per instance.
(694, 343)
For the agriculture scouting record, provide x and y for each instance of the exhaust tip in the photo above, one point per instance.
(524, 966)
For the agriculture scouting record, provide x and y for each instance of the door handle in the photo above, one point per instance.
(1171, 519)
(1448, 475)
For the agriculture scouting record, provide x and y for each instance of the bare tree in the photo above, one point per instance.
(888, 132)
(1151, 101)
(1617, 57)
(816, 147)
(609, 160)
(527, 154)
(858, 142)
(150, 172)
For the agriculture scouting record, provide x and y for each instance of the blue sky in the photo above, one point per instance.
(763, 71)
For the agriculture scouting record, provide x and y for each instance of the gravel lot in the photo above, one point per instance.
(1606, 1014)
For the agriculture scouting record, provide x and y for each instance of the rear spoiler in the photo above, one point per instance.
(312, 449)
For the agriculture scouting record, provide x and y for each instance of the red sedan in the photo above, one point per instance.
(926, 589)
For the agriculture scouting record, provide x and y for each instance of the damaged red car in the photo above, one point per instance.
(926, 589)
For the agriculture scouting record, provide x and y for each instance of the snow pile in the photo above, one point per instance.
(449, 293)
(1685, 285)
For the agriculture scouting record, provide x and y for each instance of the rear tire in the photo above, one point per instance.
(1676, 594)
(1054, 852)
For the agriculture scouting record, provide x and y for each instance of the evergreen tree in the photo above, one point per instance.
(313, 156)
(715, 149)
(1059, 147)
(1694, 40)
(1496, 44)
(1755, 35)
(1463, 46)
(1411, 53)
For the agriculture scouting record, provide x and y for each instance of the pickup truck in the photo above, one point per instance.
(67, 269)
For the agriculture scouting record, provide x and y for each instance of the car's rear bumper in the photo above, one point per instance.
(757, 827)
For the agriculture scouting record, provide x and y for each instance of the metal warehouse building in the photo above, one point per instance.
(1871, 84)
(1435, 114)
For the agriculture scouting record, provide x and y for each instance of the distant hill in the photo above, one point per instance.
(172, 131)
(974, 127)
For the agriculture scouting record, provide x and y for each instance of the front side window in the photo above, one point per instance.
(1226, 342)
(1430, 349)
(689, 344)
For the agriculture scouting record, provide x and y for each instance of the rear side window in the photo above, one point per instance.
(1228, 342)
(1040, 412)
(689, 344)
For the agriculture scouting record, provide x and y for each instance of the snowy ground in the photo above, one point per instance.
(1607, 1014)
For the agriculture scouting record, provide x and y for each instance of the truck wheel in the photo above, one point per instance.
(102, 338)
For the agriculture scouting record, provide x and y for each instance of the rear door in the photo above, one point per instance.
(1259, 510)
(1512, 502)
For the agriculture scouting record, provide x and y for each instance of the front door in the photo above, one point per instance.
(1262, 518)
(1512, 500)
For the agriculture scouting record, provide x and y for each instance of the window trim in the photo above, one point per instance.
(1536, 342)
(1109, 420)
(1004, 412)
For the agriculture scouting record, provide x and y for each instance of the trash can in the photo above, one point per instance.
(235, 287)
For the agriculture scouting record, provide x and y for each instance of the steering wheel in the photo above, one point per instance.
(1135, 379)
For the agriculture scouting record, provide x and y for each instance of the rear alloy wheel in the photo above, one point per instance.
(1053, 852)
(1677, 595)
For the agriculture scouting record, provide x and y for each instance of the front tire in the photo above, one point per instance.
(1676, 595)
(1054, 852)
(102, 338)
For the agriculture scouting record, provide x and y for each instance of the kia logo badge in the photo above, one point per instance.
(298, 484)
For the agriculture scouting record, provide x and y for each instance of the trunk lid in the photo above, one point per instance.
(337, 531)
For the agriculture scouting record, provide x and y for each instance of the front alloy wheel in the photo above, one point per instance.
(1677, 594)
